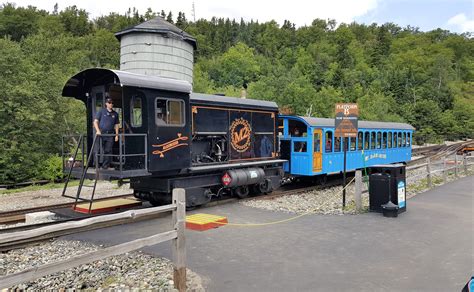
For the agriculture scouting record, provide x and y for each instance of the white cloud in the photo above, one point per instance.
(462, 22)
(300, 12)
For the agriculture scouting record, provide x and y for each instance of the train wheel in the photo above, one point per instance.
(242, 192)
(160, 199)
(265, 186)
(322, 180)
(255, 190)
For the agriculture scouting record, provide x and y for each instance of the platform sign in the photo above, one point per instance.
(346, 121)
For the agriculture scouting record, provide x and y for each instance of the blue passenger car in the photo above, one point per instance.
(311, 148)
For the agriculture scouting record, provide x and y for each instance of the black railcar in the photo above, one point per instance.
(172, 138)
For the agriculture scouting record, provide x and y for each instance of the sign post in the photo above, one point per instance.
(346, 125)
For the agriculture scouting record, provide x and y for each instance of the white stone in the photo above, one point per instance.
(37, 217)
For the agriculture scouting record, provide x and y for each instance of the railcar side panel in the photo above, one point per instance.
(311, 144)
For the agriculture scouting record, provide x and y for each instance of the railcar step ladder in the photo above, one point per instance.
(85, 168)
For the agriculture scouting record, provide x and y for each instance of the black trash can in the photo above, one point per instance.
(387, 184)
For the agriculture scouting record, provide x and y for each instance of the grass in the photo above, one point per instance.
(351, 206)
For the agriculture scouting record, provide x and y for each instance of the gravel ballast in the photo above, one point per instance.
(131, 271)
(328, 201)
(30, 199)
(323, 201)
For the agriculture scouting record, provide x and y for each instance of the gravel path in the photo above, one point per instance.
(29, 199)
(131, 271)
(329, 200)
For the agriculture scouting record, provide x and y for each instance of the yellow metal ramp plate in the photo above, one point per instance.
(202, 222)
(107, 205)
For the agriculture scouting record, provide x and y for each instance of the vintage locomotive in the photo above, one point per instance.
(170, 137)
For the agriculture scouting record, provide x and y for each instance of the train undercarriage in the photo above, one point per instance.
(202, 188)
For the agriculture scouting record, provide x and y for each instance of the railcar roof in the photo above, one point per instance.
(325, 122)
(77, 84)
(235, 102)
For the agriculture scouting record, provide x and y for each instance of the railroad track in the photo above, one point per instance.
(437, 151)
(18, 216)
(432, 152)
(288, 190)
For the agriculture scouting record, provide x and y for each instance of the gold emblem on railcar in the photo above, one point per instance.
(240, 132)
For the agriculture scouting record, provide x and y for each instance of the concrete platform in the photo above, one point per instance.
(428, 248)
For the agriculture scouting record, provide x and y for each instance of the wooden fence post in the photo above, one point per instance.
(456, 165)
(445, 175)
(358, 190)
(428, 173)
(178, 246)
(464, 162)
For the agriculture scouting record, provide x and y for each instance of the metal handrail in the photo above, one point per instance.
(81, 137)
(122, 151)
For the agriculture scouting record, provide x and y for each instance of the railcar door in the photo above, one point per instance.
(97, 98)
(169, 132)
(135, 129)
(317, 156)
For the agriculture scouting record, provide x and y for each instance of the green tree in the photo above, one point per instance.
(236, 66)
(76, 21)
(18, 22)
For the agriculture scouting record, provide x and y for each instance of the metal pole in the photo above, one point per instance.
(120, 152)
(358, 190)
(428, 172)
(464, 162)
(456, 165)
(445, 175)
(344, 174)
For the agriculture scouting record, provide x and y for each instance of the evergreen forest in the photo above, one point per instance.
(394, 73)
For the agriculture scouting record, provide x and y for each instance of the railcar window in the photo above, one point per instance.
(408, 139)
(389, 139)
(360, 140)
(136, 111)
(395, 140)
(353, 143)
(317, 142)
(399, 144)
(328, 147)
(372, 140)
(404, 139)
(337, 144)
(99, 101)
(299, 146)
(384, 140)
(366, 141)
(379, 140)
(169, 112)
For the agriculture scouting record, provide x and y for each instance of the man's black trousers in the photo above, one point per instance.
(107, 144)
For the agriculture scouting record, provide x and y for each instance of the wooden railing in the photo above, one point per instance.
(447, 164)
(178, 209)
(458, 165)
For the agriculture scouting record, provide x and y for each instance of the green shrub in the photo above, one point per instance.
(52, 168)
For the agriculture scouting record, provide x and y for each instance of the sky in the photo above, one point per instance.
(453, 15)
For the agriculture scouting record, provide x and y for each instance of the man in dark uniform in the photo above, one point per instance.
(107, 122)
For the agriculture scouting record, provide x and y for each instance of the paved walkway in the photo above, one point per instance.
(428, 248)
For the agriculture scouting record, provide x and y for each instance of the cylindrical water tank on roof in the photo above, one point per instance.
(157, 48)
